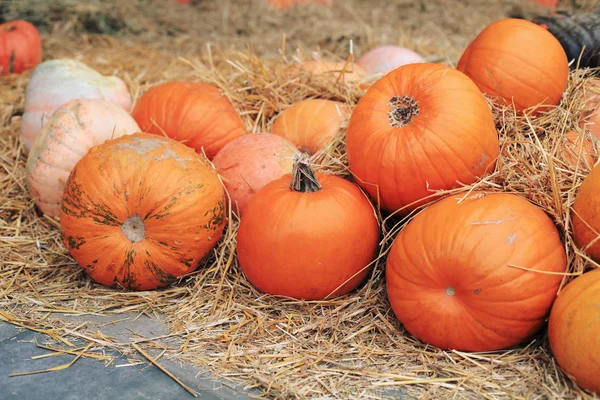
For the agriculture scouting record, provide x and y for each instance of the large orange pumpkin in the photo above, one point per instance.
(250, 162)
(20, 47)
(309, 239)
(574, 330)
(586, 215)
(141, 210)
(517, 61)
(312, 124)
(478, 274)
(194, 113)
(422, 127)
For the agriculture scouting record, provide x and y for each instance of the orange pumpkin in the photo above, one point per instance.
(312, 124)
(463, 273)
(586, 215)
(574, 330)
(67, 136)
(421, 127)
(250, 162)
(517, 61)
(578, 151)
(20, 47)
(196, 114)
(322, 235)
(141, 210)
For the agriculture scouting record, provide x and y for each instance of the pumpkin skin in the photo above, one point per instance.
(312, 124)
(448, 277)
(141, 210)
(514, 60)
(585, 215)
(250, 162)
(384, 59)
(68, 135)
(579, 151)
(319, 241)
(20, 47)
(574, 330)
(56, 82)
(412, 131)
(194, 113)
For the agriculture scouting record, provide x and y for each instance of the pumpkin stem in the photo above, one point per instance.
(10, 28)
(402, 110)
(134, 229)
(303, 177)
(450, 291)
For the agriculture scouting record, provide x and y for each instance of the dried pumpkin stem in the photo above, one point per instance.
(402, 110)
(303, 177)
(134, 229)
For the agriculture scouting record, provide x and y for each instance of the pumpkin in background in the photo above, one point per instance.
(309, 239)
(141, 210)
(250, 162)
(578, 150)
(456, 274)
(68, 135)
(421, 127)
(585, 215)
(312, 124)
(384, 59)
(592, 123)
(337, 70)
(514, 60)
(194, 113)
(56, 82)
(20, 47)
(574, 330)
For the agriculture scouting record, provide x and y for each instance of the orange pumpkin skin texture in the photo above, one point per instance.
(141, 210)
(574, 330)
(514, 60)
(448, 276)
(585, 215)
(312, 124)
(422, 126)
(316, 241)
(250, 162)
(196, 114)
(20, 47)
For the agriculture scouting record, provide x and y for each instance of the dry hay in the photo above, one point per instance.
(348, 347)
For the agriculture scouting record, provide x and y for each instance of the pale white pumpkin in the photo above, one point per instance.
(384, 59)
(56, 82)
(67, 136)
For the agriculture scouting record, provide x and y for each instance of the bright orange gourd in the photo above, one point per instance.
(514, 60)
(141, 210)
(574, 330)
(586, 215)
(459, 275)
(309, 239)
(312, 124)
(421, 127)
(250, 162)
(20, 47)
(194, 113)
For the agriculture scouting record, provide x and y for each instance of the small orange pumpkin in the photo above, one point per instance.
(574, 330)
(194, 113)
(141, 210)
(585, 215)
(421, 127)
(578, 151)
(514, 60)
(463, 274)
(20, 47)
(250, 162)
(312, 124)
(322, 235)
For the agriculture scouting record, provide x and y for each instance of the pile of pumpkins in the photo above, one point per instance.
(144, 193)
